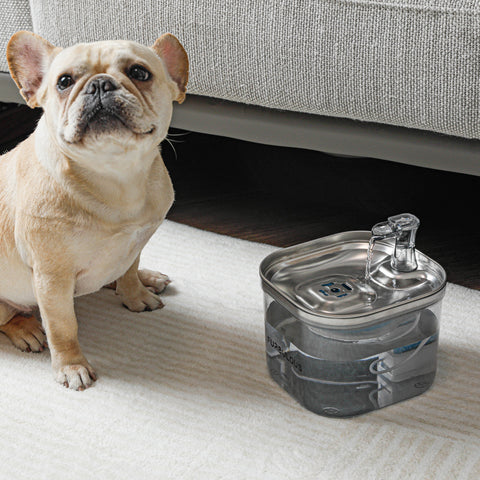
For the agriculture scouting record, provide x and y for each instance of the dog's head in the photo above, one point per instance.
(93, 93)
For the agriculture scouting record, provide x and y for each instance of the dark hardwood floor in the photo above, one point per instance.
(284, 196)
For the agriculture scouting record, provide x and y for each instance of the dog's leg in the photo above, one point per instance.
(135, 296)
(54, 294)
(23, 330)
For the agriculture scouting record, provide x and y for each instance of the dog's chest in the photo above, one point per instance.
(107, 258)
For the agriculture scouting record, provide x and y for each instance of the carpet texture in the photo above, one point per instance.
(184, 393)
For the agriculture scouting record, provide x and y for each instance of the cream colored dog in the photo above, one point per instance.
(80, 198)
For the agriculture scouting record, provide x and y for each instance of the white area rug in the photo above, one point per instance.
(184, 393)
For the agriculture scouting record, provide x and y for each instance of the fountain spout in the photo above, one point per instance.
(403, 228)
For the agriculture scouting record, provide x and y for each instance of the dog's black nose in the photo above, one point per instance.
(101, 85)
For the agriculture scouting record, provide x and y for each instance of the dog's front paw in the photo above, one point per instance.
(26, 333)
(142, 299)
(155, 281)
(76, 376)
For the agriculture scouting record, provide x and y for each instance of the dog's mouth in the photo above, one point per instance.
(105, 119)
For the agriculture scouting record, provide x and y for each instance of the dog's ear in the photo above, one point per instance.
(29, 57)
(175, 58)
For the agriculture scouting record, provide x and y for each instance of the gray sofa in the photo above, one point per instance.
(397, 80)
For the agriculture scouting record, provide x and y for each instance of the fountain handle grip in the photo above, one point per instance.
(403, 228)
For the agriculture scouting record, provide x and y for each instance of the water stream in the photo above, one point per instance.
(368, 264)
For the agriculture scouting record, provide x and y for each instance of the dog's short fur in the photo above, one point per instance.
(80, 197)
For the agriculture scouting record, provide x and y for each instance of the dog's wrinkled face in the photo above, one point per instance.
(111, 91)
(109, 88)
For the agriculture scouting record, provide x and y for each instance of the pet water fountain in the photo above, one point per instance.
(352, 319)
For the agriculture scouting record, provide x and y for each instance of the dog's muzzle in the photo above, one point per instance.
(104, 110)
(108, 108)
(100, 96)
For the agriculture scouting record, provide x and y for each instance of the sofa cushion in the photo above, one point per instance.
(413, 63)
(14, 15)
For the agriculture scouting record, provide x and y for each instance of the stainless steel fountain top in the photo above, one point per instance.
(324, 282)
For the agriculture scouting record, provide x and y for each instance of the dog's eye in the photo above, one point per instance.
(64, 82)
(137, 72)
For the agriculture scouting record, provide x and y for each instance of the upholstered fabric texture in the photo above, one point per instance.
(412, 63)
(14, 16)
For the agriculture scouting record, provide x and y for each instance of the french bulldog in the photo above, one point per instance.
(81, 196)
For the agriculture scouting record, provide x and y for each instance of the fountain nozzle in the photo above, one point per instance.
(403, 228)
